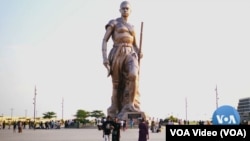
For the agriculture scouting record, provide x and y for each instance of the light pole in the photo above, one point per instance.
(186, 107)
(62, 107)
(11, 113)
(216, 96)
(26, 113)
(34, 108)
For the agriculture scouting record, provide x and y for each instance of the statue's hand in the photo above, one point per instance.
(106, 64)
(140, 55)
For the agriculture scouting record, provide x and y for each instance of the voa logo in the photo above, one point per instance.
(226, 115)
(223, 119)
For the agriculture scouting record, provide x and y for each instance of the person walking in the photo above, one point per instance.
(14, 126)
(20, 126)
(107, 128)
(116, 135)
(124, 127)
(4, 124)
(143, 131)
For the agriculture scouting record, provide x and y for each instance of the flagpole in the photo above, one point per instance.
(216, 96)
(62, 107)
(34, 109)
(186, 107)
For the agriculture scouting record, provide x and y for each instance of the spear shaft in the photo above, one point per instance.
(140, 45)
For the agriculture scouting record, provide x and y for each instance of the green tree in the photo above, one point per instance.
(97, 114)
(81, 116)
(49, 115)
(171, 118)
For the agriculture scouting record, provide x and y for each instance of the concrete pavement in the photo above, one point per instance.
(72, 135)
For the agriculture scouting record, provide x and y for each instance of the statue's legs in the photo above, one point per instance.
(131, 94)
(115, 107)
(133, 83)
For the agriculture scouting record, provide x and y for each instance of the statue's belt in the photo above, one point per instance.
(123, 45)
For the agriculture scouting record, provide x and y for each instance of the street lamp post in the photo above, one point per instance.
(62, 107)
(34, 108)
(11, 114)
(25, 113)
(216, 97)
(186, 107)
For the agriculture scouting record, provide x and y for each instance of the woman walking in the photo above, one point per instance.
(143, 131)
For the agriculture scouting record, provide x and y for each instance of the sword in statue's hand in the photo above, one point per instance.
(108, 69)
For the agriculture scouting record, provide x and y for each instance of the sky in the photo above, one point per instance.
(189, 47)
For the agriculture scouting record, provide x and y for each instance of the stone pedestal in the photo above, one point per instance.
(135, 116)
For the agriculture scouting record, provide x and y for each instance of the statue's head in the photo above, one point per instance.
(125, 8)
(124, 3)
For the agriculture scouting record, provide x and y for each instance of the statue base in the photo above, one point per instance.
(135, 116)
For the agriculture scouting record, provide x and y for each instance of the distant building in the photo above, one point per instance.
(244, 109)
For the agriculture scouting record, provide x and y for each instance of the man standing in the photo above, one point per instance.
(107, 128)
(116, 135)
(122, 63)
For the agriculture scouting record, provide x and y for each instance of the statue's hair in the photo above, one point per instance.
(124, 2)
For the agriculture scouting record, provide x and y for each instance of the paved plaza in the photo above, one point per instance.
(72, 135)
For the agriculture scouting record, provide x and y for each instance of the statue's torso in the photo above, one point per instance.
(123, 33)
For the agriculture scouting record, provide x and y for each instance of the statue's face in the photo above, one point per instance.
(125, 10)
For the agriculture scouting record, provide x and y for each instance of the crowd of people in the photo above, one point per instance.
(20, 125)
(111, 128)
(17, 125)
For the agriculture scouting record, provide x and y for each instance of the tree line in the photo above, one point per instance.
(80, 116)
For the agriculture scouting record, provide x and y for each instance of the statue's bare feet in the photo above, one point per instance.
(127, 108)
(112, 111)
(130, 108)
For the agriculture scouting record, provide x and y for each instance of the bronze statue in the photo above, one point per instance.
(122, 63)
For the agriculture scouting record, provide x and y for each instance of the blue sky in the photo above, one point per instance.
(189, 47)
